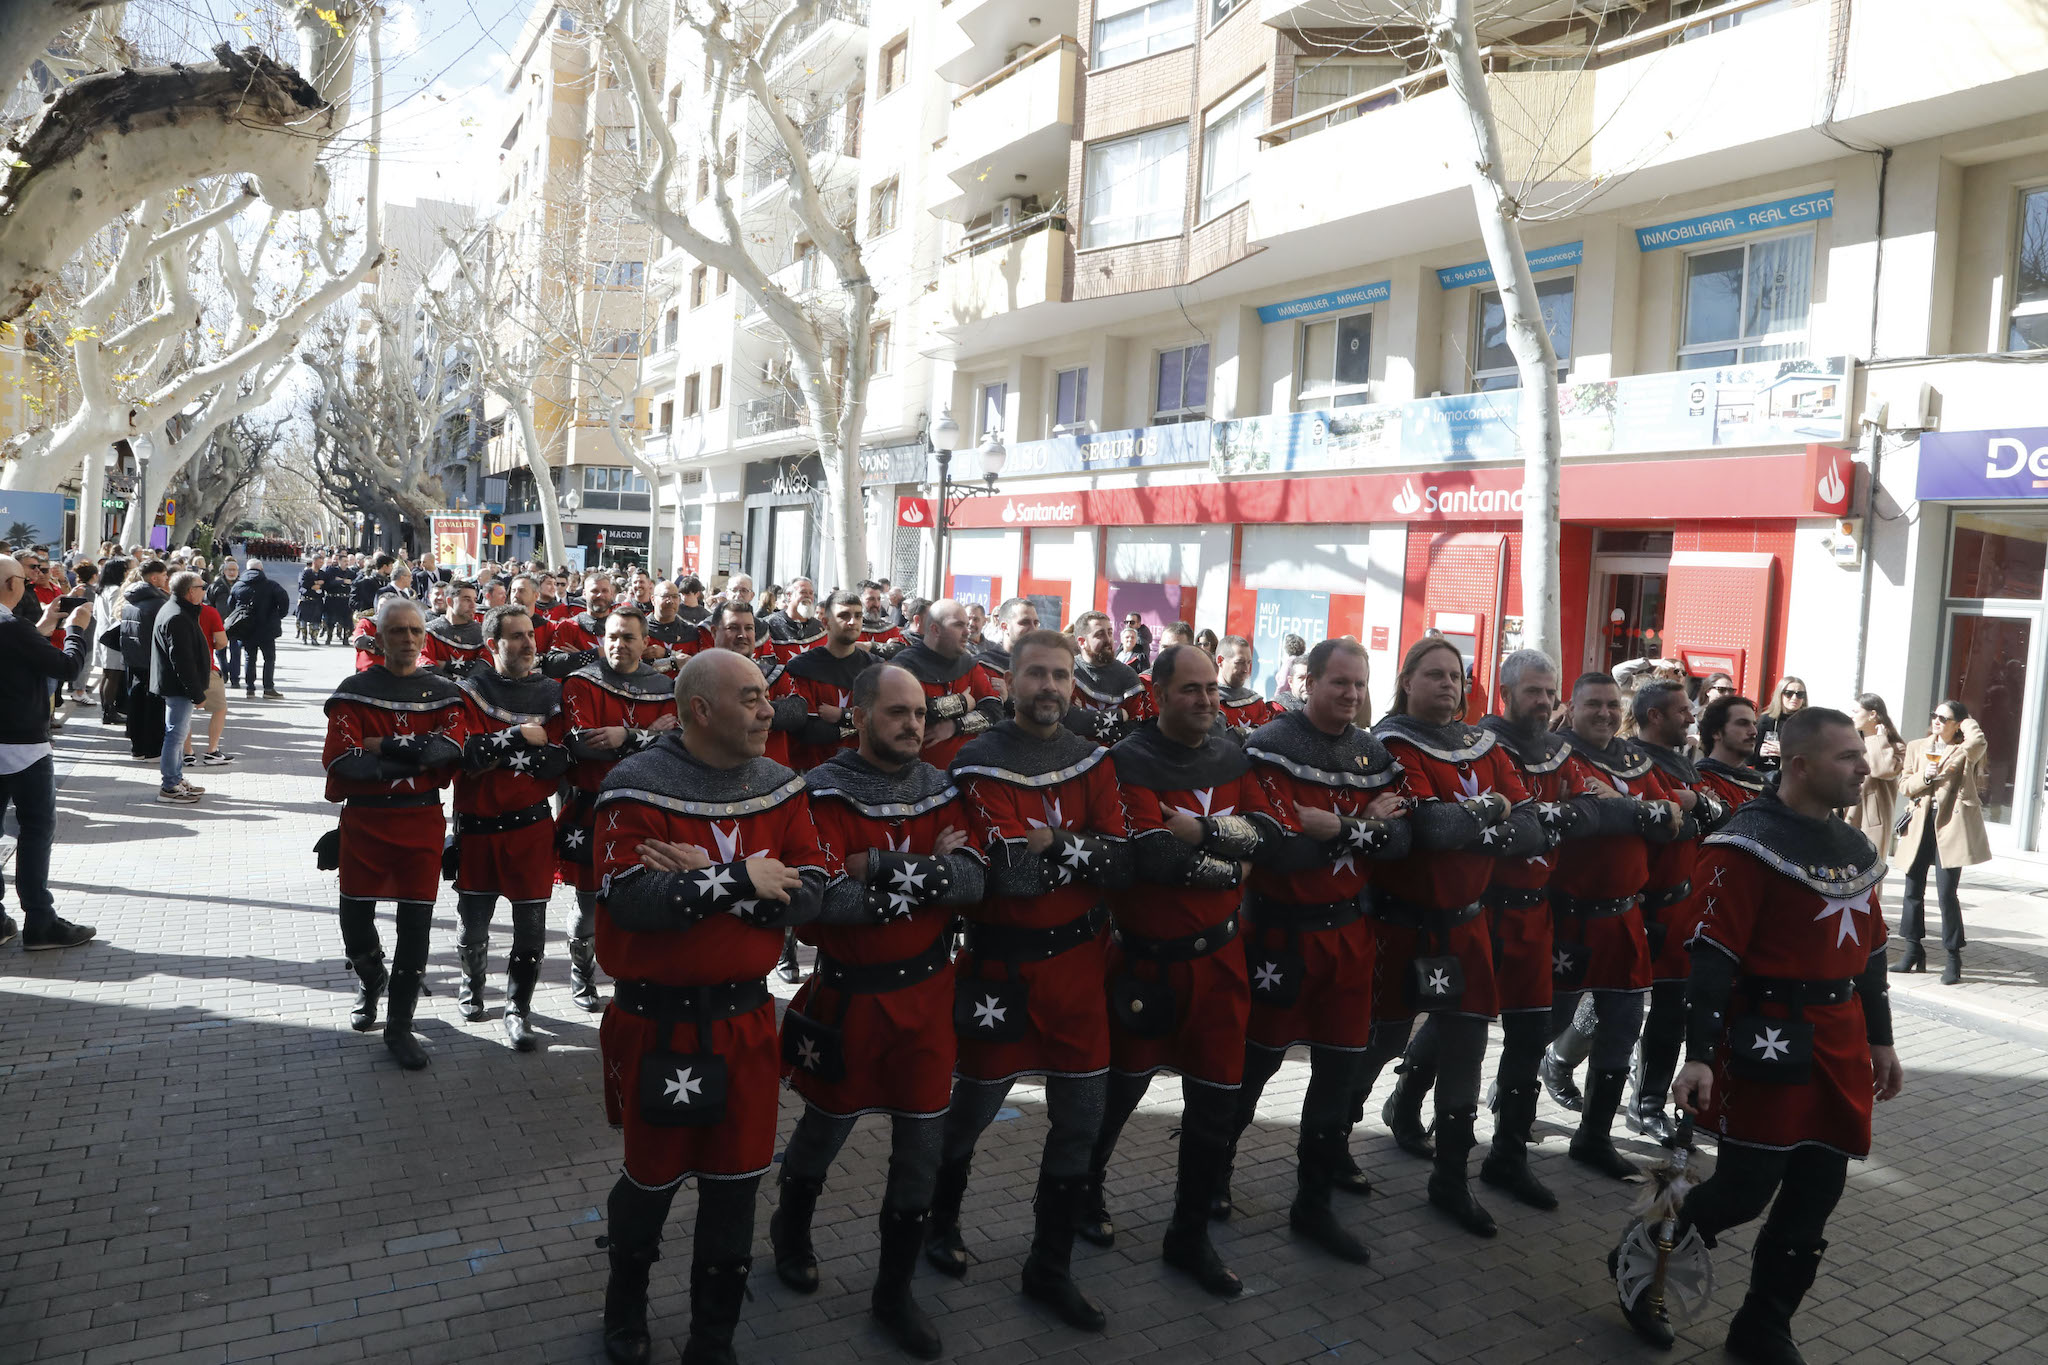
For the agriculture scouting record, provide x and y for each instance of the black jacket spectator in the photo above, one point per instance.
(26, 661)
(267, 601)
(140, 605)
(180, 663)
(218, 591)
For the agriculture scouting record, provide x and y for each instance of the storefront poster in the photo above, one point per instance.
(2005, 462)
(972, 588)
(1283, 612)
(1791, 402)
(32, 519)
(457, 539)
(1183, 443)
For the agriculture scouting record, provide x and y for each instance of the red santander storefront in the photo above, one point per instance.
(1673, 556)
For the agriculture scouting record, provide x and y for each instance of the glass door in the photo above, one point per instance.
(1988, 665)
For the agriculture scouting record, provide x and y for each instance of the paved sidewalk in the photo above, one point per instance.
(201, 1163)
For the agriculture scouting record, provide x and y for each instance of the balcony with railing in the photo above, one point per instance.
(768, 416)
(834, 24)
(1012, 132)
(1002, 272)
(831, 143)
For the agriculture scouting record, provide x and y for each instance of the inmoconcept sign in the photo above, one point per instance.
(2008, 462)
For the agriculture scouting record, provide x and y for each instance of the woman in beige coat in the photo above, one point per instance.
(1944, 830)
(1886, 751)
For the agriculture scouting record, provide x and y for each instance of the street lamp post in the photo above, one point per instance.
(942, 438)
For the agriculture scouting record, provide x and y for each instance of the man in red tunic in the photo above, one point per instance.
(1179, 994)
(823, 676)
(394, 737)
(455, 642)
(1789, 1027)
(732, 627)
(670, 638)
(795, 627)
(613, 706)
(504, 832)
(1029, 1001)
(706, 850)
(1433, 953)
(1110, 700)
(963, 700)
(582, 632)
(877, 631)
(1244, 710)
(1014, 617)
(1307, 946)
(1728, 735)
(872, 1031)
(1671, 900)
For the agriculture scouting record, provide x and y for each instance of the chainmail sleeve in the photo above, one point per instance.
(845, 901)
(1599, 817)
(790, 715)
(1444, 825)
(967, 879)
(1015, 872)
(642, 900)
(1521, 835)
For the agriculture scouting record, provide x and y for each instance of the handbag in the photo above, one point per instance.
(1143, 1009)
(986, 1011)
(1775, 1051)
(682, 1089)
(237, 624)
(1905, 818)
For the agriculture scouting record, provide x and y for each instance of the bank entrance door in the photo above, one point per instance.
(1631, 571)
(1994, 641)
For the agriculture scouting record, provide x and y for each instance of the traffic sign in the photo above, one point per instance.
(497, 533)
(170, 511)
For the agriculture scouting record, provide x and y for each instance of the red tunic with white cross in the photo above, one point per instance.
(391, 853)
(589, 705)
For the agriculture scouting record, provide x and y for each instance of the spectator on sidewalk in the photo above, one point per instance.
(28, 770)
(268, 604)
(215, 632)
(1790, 697)
(179, 673)
(217, 591)
(143, 598)
(85, 582)
(1944, 771)
(1886, 751)
(106, 621)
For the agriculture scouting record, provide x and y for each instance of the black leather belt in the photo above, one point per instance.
(879, 978)
(1581, 907)
(1016, 943)
(1268, 913)
(1185, 949)
(653, 1000)
(395, 800)
(1516, 897)
(1414, 915)
(1666, 896)
(1784, 990)
(502, 824)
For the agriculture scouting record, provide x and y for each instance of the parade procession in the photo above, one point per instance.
(1315, 682)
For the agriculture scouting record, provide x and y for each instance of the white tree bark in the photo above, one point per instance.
(112, 139)
(834, 394)
(1540, 433)
(27, 28)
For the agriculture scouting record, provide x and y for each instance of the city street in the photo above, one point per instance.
(201, 1163)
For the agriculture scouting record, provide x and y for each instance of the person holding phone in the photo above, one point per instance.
(29, 663)
(1943, 774)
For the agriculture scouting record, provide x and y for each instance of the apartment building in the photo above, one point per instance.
(1251, 367)
(740, 464)
(568, 155)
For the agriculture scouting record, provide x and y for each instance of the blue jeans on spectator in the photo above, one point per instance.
(33, 794)
(267, 651)
(231, 671)
(177, 720)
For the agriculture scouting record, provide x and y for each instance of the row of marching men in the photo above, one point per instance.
(1326, 885)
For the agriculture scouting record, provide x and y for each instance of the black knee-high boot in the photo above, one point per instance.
(398, 1039)
(583, 975)
(1318, 1157)
(1507, 1166)
(789, 1233)
(943, 1246)
(1656, 1061)
(1048, 1270)
(1187, 1246)
(1448, 1188)
(1402, 1112)
(1780, 1275)
(892, 1303)
(717, 1288)
(522, 971)
(1593, 1144)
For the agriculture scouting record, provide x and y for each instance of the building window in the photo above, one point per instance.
(619, 343)
(1126, 30)
(1336, 361)
(881, 349)
(2029, 328)
(1182, 394)
(1230, 139)
(618, 139)
(1493, 363)
(716, 399)
(895, 66)
(669, 328)
(692, 392)
(1136, 187)
(989, 411)
(704, 178)
(724, 283)
(668, 416)
(1336, 80)
(1748, 303)
(1219, 10)
(1070, 397)
(1686, 8)
(565, 22)
(618, 274)
(882, 208)
(698, 283)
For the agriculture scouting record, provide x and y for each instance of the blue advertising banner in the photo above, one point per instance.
(1283, 612)
(1356, 297)
(1787, 402)
(1086, 452)
(972, 588)
(1803, 208)
(2008, 462)
(1481, 272)
(32, 519)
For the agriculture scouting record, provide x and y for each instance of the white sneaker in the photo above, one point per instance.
(180, 796)
(185, 786)
(216, 759)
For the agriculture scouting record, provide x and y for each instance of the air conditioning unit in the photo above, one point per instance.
(1018, 52)
(1006, 214)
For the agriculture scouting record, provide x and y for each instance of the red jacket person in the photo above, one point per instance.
(706, 850)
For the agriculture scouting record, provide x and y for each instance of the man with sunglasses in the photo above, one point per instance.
(29, 663)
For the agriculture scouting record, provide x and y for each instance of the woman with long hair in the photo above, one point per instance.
(1790, 697)
(1944, 772)
(1887, 753)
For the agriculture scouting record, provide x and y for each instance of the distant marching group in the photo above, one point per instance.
(1023, 858)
